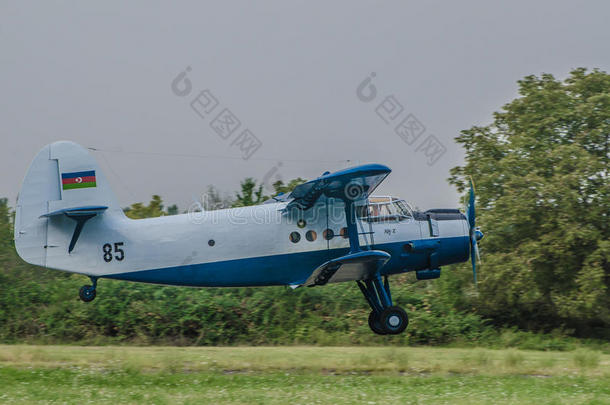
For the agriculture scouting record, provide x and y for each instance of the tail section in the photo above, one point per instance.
(62, 190)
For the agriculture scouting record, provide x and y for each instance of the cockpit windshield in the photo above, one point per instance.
(385, 209)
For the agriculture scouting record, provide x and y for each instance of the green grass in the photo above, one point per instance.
(300, 375)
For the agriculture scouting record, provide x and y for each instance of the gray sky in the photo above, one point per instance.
(101, 75)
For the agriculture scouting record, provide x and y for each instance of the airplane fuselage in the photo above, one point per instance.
(249, 246)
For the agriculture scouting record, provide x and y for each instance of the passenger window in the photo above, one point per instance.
(311, 236)
(295, 237)
(329, 234)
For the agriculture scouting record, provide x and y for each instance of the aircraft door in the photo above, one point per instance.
(336, 225)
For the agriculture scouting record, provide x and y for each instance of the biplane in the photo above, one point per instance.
(327, 230)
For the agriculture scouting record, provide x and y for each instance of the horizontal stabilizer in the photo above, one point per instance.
(361, 265)
(78, 211)
(79, 214)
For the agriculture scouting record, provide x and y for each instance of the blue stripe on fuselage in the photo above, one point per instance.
(292, 268)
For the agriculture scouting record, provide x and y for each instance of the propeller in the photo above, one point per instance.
(474, 233)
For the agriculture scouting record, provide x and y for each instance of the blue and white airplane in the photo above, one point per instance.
(327, 230)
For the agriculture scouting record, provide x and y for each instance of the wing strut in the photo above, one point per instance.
(352, 227)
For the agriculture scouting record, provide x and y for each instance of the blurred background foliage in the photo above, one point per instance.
(541, 170)
(541, 174)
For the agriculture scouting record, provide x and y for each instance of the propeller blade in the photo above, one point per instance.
(474, 253)
(471, 213)
(476, 250)
(474, 247)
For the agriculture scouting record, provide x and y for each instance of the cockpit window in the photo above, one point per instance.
(384, 209)
(403, 208)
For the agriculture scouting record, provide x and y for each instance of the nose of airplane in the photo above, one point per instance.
(478, 234)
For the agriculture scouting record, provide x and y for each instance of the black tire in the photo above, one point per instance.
(375, 324)
(87, 293)
(394, 320)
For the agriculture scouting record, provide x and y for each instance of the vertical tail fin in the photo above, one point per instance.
(62, 177)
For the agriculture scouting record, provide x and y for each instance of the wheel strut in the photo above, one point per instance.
(385, 318)
(376, 293)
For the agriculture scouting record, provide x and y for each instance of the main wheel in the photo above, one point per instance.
(393, 320)
(86, 293)
(375, 324)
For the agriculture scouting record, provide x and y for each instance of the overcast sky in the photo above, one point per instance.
(101, 75)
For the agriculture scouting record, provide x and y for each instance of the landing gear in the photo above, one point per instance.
(394, 320)
(375, 324)
(87, 292)
(385, 318)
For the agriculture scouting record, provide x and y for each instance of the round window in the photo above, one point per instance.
(344, 233)
(211, 242)
(311, 236)
(295, 237)
(301, 223)
(328, 234)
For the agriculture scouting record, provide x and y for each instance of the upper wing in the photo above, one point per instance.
(349, 185)
(354, 184)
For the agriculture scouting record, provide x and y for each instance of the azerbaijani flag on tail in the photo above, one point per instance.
(78, 179)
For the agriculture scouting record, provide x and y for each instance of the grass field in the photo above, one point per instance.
(300, 375)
